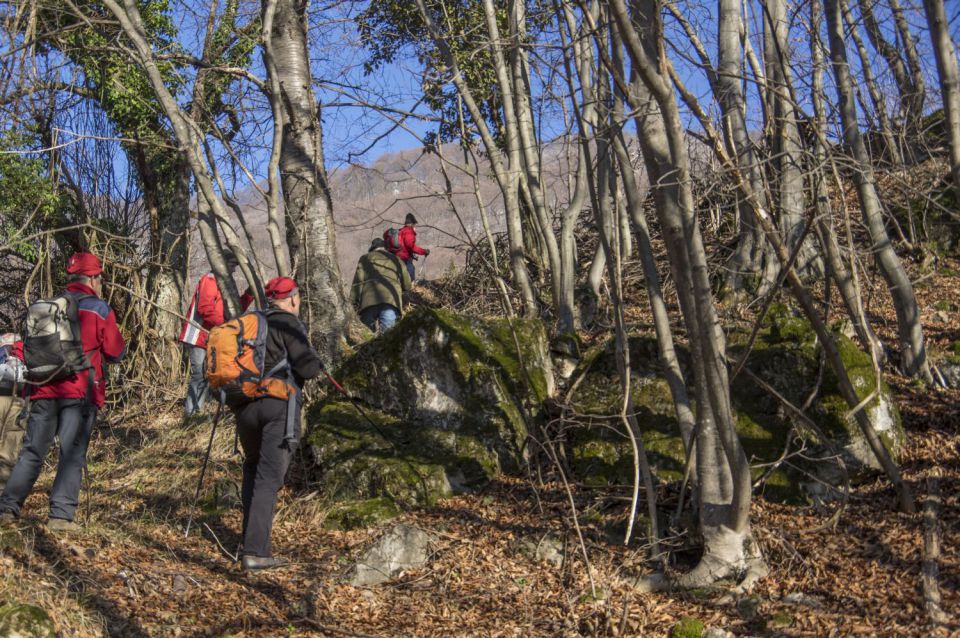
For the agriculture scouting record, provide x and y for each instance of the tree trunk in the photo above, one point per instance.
(724, 485)
(311, 237)
(894, 156)
(748, 255)
(909, 80)
(946, 54)
(670, 365)
(188, 136)
(507, 176)
(912, 351)
(166, 196)
(844, 278)
(786, 149)
(529, 145)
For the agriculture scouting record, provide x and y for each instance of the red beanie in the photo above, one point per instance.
(84, 264)
(280, 288)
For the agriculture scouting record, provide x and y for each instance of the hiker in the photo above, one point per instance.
(378, 287)
(408, 245)
(268, 432)
(205, 312)
(64, 402)
(11, 387)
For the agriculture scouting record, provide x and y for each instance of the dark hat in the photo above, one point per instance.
(86, 264)
(280, 288)
(377, 243)
(410, 219)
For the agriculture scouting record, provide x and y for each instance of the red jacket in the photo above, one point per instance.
(101, 340)
(408, 244)
(205, 312)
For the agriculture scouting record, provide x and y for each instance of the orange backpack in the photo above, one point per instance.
(235, 359)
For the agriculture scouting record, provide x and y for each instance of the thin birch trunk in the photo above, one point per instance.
(910, 331)
(582, 62)
(786, 148)
(876, 98)
(507, 176)
(185, 129)
(909, 82)
(529, 145)
(946, 54)
(845, 279)
(747, 258)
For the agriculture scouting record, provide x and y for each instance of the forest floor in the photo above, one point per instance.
(133, 573)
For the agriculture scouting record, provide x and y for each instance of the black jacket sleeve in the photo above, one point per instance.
(304, 361)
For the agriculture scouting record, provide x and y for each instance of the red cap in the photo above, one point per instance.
(84, 264)
(280, 288)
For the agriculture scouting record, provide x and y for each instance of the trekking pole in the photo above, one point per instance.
(203, 468)
(356, 403)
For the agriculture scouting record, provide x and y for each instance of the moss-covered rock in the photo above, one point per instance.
(354, 514)
(687, 627)
(26, 621)
(785, 355)
(442, 405)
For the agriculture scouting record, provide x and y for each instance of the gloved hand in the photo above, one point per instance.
(427, 251)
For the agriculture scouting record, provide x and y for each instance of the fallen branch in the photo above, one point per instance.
(930, 568)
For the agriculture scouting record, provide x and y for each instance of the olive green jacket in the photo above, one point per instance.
(380, 278)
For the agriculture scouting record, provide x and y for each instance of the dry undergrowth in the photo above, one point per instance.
(134, 574)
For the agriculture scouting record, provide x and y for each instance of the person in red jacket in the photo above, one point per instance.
(408, 244)
(67, 408)
(11, 403)
(205, 312)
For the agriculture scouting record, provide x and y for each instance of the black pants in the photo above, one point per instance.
(261, 425)
(70, 419)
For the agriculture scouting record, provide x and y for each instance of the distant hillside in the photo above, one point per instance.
(369, 199)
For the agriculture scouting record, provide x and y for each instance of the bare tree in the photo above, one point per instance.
(946, 54)
(722, 468)
(912, 351)
(311, 238)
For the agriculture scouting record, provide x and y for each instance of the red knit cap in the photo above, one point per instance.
(280, 288)
(84, 264)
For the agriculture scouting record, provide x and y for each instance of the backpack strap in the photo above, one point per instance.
(290, 430)
(91, 373)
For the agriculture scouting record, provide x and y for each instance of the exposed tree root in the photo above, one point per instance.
(728, 556)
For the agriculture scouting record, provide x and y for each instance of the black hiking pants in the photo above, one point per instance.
(261, 425)
(72, 421)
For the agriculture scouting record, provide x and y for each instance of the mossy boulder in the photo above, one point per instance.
(785, 355)
(441, 405)
(354, 514)
(25, 621)
(687, 627)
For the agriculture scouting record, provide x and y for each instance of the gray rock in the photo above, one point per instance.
(786, 355)
(951, 374)
(715, 632)
(25, 621)
(402, 548)
(799, 598)
(548, 549)
(443, 406)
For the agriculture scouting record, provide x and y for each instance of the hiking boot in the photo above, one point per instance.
(7, 519)
(260, 563)
(62, 526)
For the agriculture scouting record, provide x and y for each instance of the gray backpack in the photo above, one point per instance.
(52, 346)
